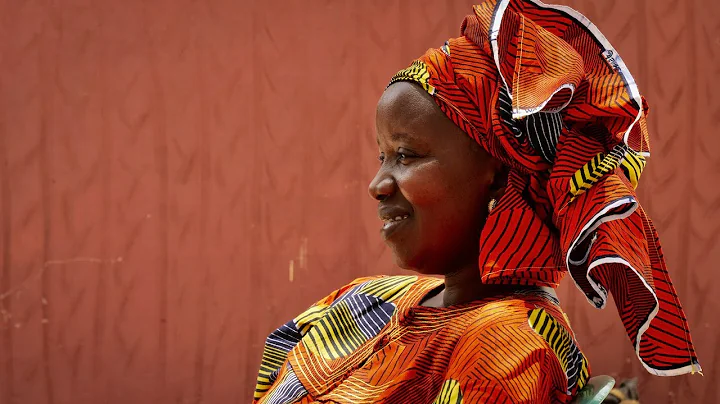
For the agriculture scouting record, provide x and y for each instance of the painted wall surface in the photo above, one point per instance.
(179, 177)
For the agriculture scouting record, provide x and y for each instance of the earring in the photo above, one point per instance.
(492, 205)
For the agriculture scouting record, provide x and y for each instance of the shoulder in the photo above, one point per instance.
(515, 312)
(524, 333)
(506, 322)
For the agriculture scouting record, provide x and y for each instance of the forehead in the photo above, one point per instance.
(406, 108)
(404, 98)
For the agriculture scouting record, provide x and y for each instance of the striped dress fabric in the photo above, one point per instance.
(542, 90)
(371, 342)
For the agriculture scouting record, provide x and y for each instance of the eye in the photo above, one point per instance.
(381, 158)
(404, 156)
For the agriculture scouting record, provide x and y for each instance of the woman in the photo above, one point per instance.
(507, 157)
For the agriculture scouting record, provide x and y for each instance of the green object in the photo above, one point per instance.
(595, 391)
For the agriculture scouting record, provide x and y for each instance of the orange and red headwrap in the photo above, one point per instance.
(542, 90)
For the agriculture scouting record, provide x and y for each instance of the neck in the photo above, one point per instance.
(464, 286)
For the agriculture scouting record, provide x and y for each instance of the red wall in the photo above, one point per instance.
(179, 177)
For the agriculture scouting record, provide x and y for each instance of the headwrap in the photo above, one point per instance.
(543, 91)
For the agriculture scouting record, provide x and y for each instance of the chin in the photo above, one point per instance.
(403, 264)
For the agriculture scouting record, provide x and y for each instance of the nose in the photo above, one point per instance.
(382, 186)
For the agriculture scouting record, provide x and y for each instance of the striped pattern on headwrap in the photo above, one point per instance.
(542, 90)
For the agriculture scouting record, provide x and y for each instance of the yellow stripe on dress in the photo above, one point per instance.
(309, 317)
(449, 393)
(336, 335)
(390, 288)
(572, 361)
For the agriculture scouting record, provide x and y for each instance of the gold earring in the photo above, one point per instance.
(492, 205)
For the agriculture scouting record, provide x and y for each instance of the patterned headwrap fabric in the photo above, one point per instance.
(542, 90)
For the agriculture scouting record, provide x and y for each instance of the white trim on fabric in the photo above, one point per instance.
(599, 219)
(521, 113)
(495, 24)
(621, 67)
(693, 368)
(646, 325)
(589, 227)
(587, 253)
(494, 32)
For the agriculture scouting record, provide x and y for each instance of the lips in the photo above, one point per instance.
(393, 218)
(389, 222)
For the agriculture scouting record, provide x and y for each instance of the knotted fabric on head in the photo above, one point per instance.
(542, 90)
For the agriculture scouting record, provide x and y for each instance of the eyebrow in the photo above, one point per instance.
(396, 136)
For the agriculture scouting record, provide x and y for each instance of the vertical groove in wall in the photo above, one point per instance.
(106, 157)
(158, 115)
(249, 358)
(204, 137)
(6, 323)
(46, 71)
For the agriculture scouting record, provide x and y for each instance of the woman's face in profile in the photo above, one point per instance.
(433, 184)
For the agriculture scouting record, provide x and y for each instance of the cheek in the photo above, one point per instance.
(431, 185)
(449, 203)
(424, 185)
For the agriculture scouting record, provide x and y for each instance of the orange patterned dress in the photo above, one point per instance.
(371, 342)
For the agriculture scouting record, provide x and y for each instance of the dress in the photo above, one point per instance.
(371, 342)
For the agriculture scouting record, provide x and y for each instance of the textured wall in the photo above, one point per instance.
(179, 177)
